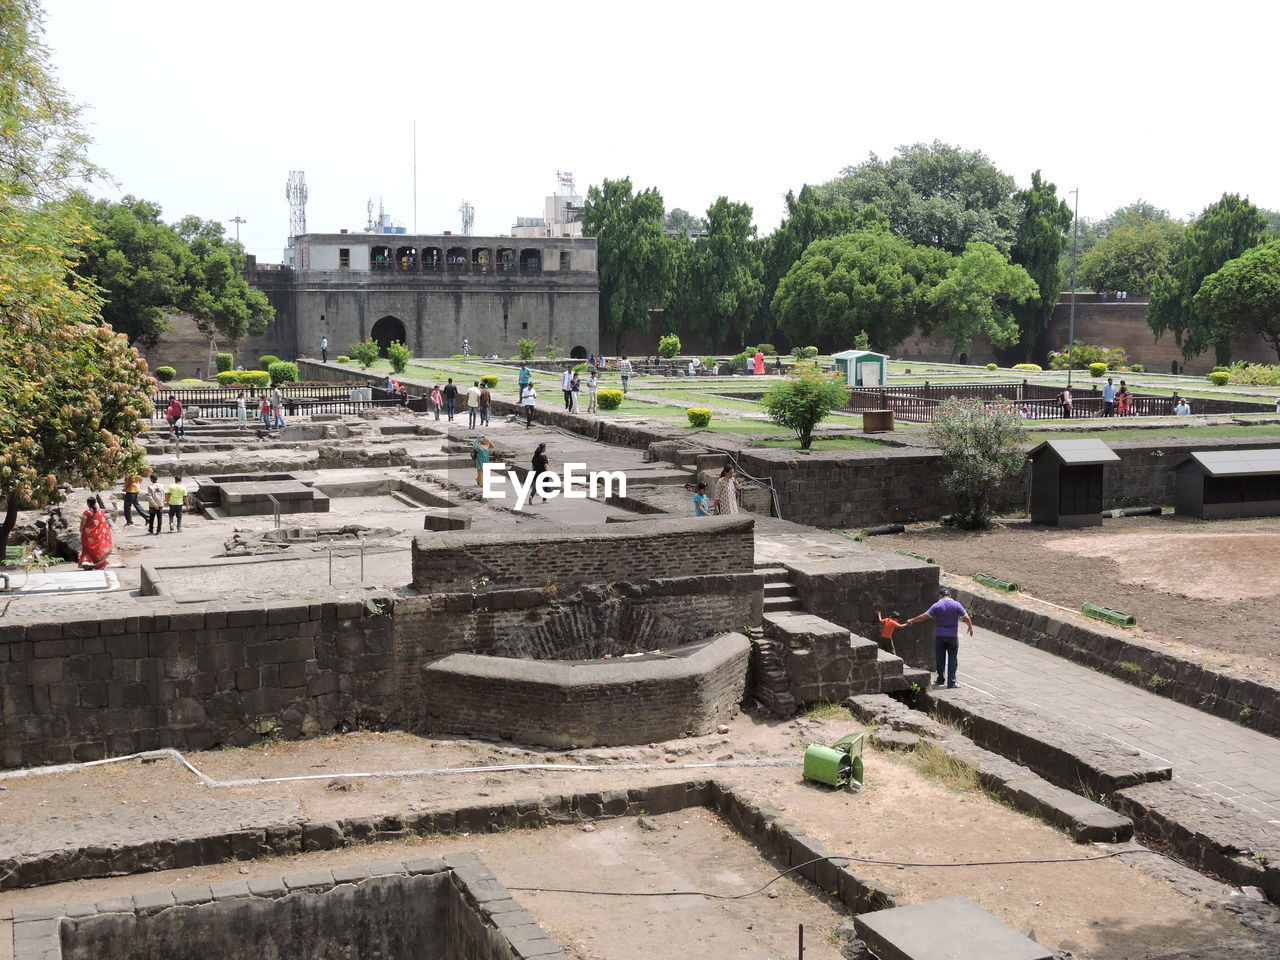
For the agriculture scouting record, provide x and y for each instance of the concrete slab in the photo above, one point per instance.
(952, 929)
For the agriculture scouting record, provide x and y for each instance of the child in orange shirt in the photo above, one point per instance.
(887, 626)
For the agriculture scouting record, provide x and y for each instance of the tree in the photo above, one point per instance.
(668, 346)
(934, 194)
(1131, 256)
(1244, 296)
(635, 261)
(1223, 232)
(807, 219)
(980, 443)
(723, 273)
(804, 398)
(75, 393)
(870, 280)
(367, 352)
(1037, 246)
(683, 222)
(216, 294)
(966, 298)
(42, 143)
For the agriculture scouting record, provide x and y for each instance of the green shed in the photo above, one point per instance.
(862, 368)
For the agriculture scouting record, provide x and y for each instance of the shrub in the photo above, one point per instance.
(708, 363)
(1085, 354)
(489, 380)
(609, 399)
(344, 359)
(742, 359)
(1097, 369)
(283, 371)
(1137, 368)
(1220, 369)
(698, 416)
(581, 367)
(224, 361)
(165, 374)
(1263, 374)
(244, 378)
(862, 341)
(1220, 378)
(768, 349)
(980, 443)
(1034, 367)
(668, 345)
(365, 353)
(993, 366)
(265, 361)
(804, 398)
(554, 352)
(399, 355)
(805, 353)
(526, 349)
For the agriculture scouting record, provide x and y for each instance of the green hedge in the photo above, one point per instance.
(344, 359)
(698, 416)
(609, 399)
(1220, 378)
(489, 380)
(165, 374)
(244, 378)
(266, 360)
(993, 366)
(224, 361)
(283, 371)
(1097, 369)
(1035, 367)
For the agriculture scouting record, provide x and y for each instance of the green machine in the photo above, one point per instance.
(839, 765)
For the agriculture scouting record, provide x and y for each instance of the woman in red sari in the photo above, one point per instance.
(95, 536)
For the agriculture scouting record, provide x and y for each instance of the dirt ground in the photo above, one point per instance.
(1103, 909)
(1206, 588)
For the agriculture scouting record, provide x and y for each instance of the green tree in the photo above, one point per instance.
(871, 280)
(42, 141)
(668, 345)
(969, 297)
(807, 219)
(683, 222)
(1131, 256)
(217, 295)
(1243, 296)
(804, 398)
(980, 442)
(1037, 246)
(366, 353)
(635, 262)
(723, 273)
(934, 194)
(399, 355)
(1223, 232)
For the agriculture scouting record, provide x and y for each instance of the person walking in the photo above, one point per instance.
(1066, 403)
(701, 501)
(466, 347)
(526, 377)
(324, 350)
(473, 404)
(946, 615)
(277, 407)
(95, 536)
(177, 499)
(538, 466)
(759, 363)
(486, 404)
(155, 500)
(264, 408)
(575, 391)
(437, 399)
(242, 418)
(528, 397)
(887, 626)
(481, 451)
(1124, 400)
(593, 385)
(174, 415)
(624, 368)
(1109, 398)
(566, 386)
(450, 399)
(727, 492)
(132, 485)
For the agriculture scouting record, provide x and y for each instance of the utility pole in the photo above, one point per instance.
(237, 220)
(1071, 323)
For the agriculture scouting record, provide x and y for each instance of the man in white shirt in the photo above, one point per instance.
(324, 349)
(1183, 409)
(473, 404)
(624, 368)
(566, 384)
(593, 384)
(1109, 398)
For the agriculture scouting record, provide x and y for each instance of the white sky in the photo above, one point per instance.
(204, 108)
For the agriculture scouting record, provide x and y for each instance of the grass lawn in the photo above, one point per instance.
(826, 443)
(1169, 431)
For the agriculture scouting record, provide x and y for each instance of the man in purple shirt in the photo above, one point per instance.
(946, 615)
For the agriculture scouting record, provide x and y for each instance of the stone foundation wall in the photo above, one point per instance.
(588, 704)
(625, 551)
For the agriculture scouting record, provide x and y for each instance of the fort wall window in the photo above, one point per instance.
(344, 258)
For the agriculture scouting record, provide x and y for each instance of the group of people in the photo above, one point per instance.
(1116, 401)
(572, 384)
(96, 540)
(270, 407)
(725, 501)
(947, 614)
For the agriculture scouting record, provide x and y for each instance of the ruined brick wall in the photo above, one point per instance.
(582, 705)
(191, 678)
(643, 550)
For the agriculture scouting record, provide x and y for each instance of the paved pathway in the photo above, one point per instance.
(1208, 754)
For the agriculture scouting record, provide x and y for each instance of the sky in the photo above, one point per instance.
(204, 108)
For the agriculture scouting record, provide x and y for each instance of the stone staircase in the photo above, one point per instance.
(779, 592)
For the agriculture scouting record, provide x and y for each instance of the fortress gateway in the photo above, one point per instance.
(431, 291)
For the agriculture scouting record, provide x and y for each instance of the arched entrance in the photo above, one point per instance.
(578, 353)
(386, 331)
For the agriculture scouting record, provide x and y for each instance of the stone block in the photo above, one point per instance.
(954, 928)
(314, 880)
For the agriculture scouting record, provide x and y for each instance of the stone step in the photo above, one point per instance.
(780, 604)
(773, 574)
(775, 588)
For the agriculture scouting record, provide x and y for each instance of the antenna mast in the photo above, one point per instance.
(468, 217)
(295, 191)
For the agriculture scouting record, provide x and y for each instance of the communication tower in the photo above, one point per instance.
(295, 191)
(468, 217)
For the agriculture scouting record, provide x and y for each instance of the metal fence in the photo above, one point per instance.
(219, 403)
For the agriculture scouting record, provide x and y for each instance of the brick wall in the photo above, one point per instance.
(580, 705)
(190, 677)
(624, 551)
